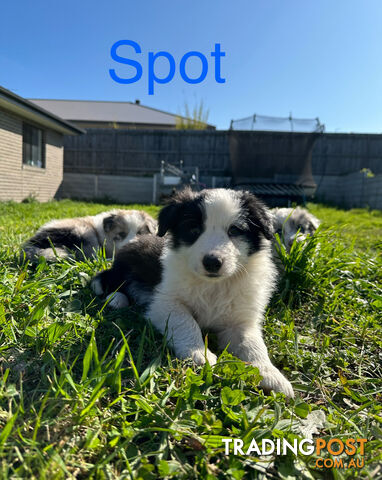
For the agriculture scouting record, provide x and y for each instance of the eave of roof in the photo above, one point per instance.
(86, 111)
(28, 110)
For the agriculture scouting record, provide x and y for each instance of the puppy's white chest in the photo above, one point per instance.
(214, 306)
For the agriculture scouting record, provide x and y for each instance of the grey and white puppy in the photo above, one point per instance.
(82, 237)
(293, 224)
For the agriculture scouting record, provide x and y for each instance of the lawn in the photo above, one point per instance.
(90, 393)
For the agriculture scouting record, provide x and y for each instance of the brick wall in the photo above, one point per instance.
(18, 181)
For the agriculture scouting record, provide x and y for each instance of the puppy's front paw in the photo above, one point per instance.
(199, 357)
(274, 380)
(96, 286)
(117, 300)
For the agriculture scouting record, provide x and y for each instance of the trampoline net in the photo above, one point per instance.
(272, 157)
(277, 124)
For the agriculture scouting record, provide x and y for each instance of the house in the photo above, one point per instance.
(112, 115)
(31, 149)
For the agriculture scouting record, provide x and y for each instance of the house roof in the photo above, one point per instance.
(107, 111)
(20, 106)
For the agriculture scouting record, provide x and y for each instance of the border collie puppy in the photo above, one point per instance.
(293, 224)
(82, 236)
(209, 268)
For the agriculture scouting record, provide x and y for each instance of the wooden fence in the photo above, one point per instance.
(140, 152)
(108, 162)
(344, 153)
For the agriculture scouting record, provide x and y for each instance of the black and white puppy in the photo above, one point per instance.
(210, 267)
(83, 236)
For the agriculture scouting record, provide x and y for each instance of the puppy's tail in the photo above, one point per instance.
(33, 253)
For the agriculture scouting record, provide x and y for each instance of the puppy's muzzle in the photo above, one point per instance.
(298, 237)
(212, 263)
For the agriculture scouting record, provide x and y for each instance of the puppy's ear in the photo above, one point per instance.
(170, 214)
(109, 222)
(314, 224)
(168, 217)
(258, 214)
(152, 226)
(149, 224)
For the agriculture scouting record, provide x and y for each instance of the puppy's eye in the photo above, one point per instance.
(121, 236)
(235, 231)
(301, 228)
(190, 230)
(143, 230)
(194, 231)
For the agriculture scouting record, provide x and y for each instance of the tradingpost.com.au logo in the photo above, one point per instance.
(335, 447)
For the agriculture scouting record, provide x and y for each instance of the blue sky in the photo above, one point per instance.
(312, 58)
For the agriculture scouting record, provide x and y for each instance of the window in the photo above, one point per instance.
(33, 146)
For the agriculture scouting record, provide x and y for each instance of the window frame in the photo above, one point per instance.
(42, 155)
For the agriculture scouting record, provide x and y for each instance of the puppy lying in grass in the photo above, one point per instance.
(293, 224)
(82, 237)
(210, 267)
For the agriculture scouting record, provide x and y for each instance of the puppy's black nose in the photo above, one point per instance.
(212, 263)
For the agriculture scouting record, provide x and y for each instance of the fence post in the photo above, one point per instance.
(155, 188)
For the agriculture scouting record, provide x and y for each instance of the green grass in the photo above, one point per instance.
(90, 393)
